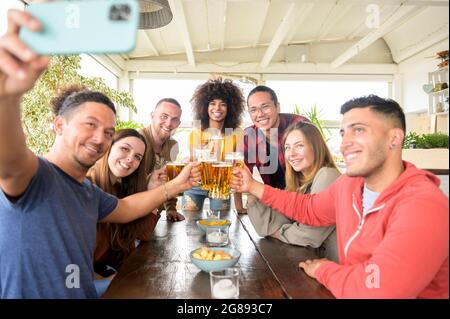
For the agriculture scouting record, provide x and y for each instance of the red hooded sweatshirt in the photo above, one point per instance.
(398, 249)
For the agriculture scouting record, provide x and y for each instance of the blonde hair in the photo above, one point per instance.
(296, 181)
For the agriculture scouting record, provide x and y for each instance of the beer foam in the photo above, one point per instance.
(222, 165)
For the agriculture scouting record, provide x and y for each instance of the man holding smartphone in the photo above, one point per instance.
(48, 209)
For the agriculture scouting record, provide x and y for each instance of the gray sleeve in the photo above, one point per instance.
(324, 178)
(36, 189)
(265, 220)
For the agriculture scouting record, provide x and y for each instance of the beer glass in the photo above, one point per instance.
(206, 159)
(221, 176)
(173, 169)
(216, 144)
(235, 158)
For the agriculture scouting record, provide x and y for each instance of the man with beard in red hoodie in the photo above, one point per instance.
(391, 218)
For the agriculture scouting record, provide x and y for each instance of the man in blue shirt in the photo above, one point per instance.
(48, 209)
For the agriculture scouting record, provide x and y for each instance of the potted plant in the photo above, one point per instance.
(427, 151)
(313, 114)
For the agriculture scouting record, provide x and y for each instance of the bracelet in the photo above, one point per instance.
(166, 192)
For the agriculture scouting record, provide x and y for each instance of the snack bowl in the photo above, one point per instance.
(219, 264)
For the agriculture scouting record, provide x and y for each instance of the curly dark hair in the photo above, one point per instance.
(224, 90)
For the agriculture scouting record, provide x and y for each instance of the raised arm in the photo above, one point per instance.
(242, 181)
(141, 204)
(314, 210)
(19, 70)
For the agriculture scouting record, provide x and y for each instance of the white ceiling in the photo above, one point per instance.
(264, 36)
(270, 36)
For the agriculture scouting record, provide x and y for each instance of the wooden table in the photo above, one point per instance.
(161, 268)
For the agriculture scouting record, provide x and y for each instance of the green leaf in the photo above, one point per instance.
(433, 140)
(36, 114)
(314, 116)
(128, 124)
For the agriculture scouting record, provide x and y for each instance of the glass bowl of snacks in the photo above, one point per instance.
(203, 224)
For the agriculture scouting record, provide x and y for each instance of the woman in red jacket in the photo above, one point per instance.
(391, 218)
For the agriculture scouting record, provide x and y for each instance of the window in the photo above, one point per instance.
(328, 96)
(91, 68)
(147, 92)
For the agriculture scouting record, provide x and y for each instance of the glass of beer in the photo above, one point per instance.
(216, 144)
(205, 158)
(235, 158)
(173, 169)
(221, 176)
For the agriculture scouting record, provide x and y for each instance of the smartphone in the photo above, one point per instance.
(77, 26)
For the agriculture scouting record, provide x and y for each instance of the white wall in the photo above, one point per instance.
(414, 73)
(5, 5)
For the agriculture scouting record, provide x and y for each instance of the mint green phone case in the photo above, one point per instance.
(73, 27)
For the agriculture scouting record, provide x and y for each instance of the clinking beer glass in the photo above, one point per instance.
(235, 158)
(206, 159)
(173, 169)
(221, 176)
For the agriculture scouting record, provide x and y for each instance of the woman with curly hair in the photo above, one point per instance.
(121, 172)
(218, 107)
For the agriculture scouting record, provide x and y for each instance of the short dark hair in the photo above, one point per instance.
(71, 97)
(263, 88)
(168, 100)
(387, 107)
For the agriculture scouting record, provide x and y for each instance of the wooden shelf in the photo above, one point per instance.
(444, 69)
(439, 92)
(437, 100)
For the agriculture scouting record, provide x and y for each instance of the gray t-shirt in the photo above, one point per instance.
(47, 237)
(369, 197)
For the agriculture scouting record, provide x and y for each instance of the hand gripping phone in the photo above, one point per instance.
(74, 27)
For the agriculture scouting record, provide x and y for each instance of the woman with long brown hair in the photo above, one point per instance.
(309, 169)
(121, 172)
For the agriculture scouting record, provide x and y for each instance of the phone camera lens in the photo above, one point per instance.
(120, 12)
